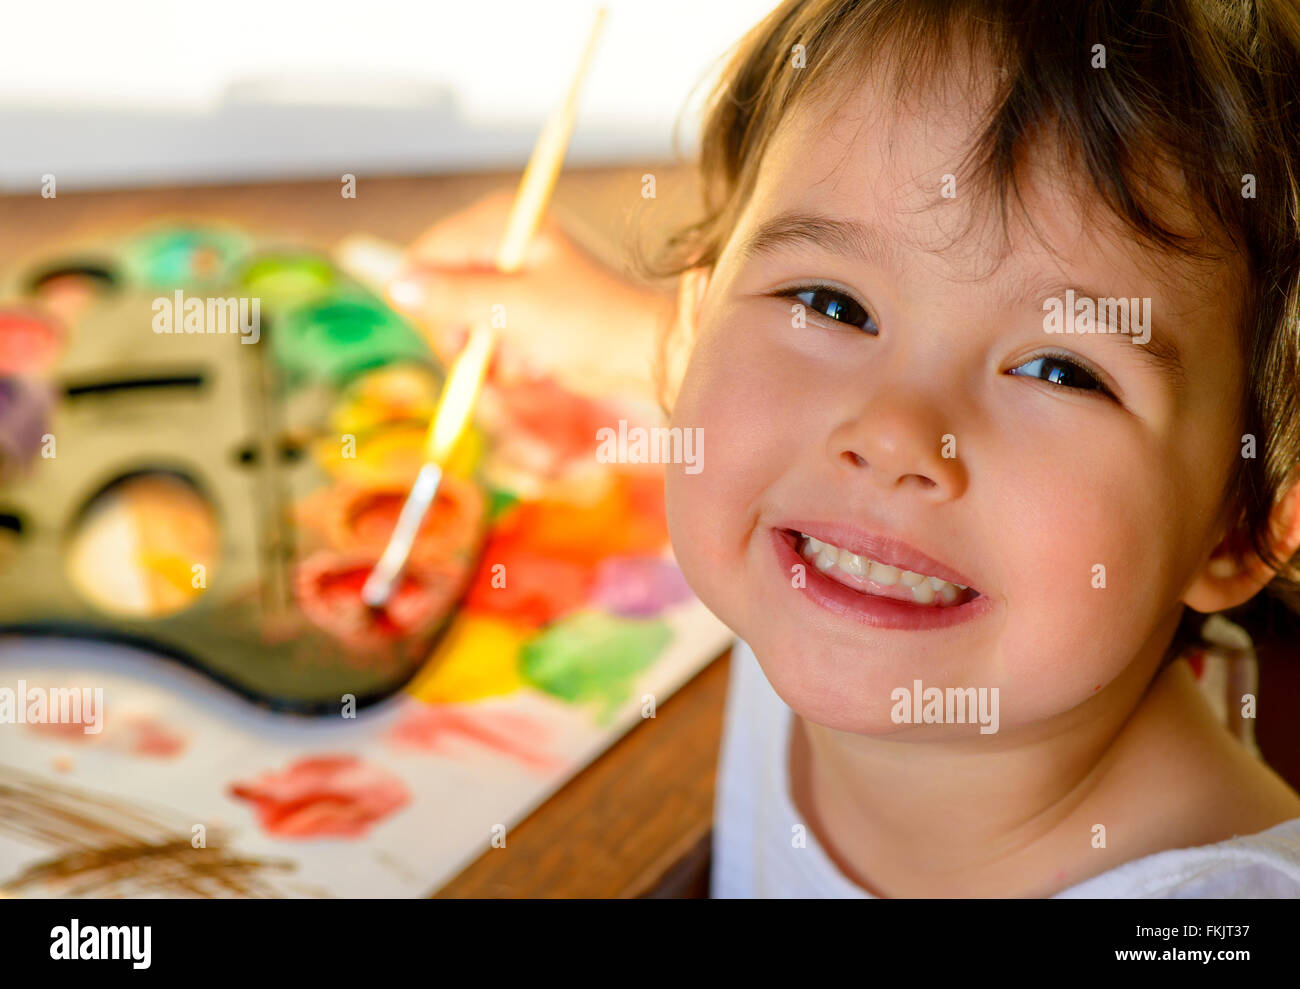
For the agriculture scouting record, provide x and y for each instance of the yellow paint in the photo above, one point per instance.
(134, 550)
(479, 657)
(388, 458)
(391, 394)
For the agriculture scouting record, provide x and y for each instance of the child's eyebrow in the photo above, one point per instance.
(848, 237)
(1160, 351)
(867, 244)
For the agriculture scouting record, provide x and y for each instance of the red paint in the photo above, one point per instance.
(538, 588)
(150, 737)
(323, 797)
(28, 342)
(67, 731)
(555, 418)
(436, 728)
(328, 589)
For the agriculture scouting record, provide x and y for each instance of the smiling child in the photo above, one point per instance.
(916, 477)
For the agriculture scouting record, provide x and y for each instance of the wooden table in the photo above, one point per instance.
(637, 822)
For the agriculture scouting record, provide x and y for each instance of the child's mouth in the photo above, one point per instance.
(874, 591)
(881, 579)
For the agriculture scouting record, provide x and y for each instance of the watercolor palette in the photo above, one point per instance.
(214, 479)
(278, 468)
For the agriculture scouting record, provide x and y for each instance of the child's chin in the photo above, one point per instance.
(858, 707)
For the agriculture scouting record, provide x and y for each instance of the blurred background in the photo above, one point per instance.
(198, 150)
(153, 91)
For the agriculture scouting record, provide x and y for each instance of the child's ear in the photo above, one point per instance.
(1228, 580)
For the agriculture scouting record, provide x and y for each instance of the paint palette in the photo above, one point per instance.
(204, 444)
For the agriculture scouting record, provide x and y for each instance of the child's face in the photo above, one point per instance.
(854, 424)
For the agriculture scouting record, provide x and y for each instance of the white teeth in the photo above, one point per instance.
(882, 573)
(853, 564)
(925, 590)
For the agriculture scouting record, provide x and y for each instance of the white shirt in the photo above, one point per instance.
(755, 853)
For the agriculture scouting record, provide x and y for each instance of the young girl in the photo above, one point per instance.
(962, 508)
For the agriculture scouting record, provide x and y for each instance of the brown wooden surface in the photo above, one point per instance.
(637, 821)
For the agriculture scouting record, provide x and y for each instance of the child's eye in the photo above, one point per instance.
(1063, 371)
(835, 305)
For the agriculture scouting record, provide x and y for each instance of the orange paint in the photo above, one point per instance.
(363, 521)
(629, 519)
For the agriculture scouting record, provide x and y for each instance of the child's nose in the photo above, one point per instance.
(900, 442)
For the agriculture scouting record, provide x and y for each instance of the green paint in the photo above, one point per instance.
(499, 499)
(342, 336)
(592, 656)
(184, 257)
(285, 280)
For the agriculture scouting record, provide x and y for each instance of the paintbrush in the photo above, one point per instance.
(465, 379)
(452, 415)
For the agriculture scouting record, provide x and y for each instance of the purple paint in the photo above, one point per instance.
(24, 420)
(638, 586)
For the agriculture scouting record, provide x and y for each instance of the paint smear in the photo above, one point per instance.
(627, 520)
(147, 736)
(392, 394)
(285, 280)
(25, 405)
(107, 846)
(639, 586)
(593, 658)
(29, 342)
(343, 336)
(135, 734)
(328, 586)
(334, 796)
(363, 521)
(391, 456)
(518, 584)
(477, 658)
(69, 290)
(542, 427)
(443, 729)
(142, 545)
(184, 257)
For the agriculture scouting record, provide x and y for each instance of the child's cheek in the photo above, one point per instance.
(1089, 576)
(711, 512)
